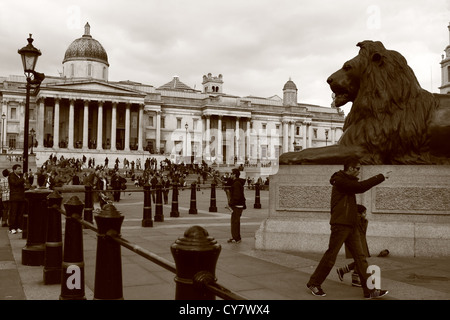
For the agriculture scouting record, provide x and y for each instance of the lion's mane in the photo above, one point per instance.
(391, 113)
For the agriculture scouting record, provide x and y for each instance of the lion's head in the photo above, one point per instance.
(390, 110)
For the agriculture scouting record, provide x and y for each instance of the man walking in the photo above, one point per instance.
(343, 221)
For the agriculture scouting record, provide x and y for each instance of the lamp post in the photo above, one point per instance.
(326, 137)
(295, 145)
(29, 56)
(186, 150)
(32, 132)
(3, 130)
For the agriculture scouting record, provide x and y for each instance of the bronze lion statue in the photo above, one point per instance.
(392, 119)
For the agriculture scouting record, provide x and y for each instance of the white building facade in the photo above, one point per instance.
(81, 112)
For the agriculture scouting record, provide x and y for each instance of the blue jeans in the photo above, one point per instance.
(341, 234)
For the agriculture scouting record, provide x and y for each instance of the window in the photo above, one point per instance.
(178, 123)
(163, 122)
(150, 121)
(12, 141)
(32, 114)
(104, 73)
(278, 129)
(72, 70)
(264, 151)
(297, 131)
(448, 74)
(264, 126)
(13, 114)
(89, 70)
(195, 124)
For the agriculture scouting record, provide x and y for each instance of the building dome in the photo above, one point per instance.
(86, 48)
(290, 85)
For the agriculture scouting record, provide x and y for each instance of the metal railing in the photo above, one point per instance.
(195, 278)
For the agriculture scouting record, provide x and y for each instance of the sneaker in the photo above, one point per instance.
(356, 281)
(234, 241)
(376, 293)
(19, 230)
(316, 291)
(13, 231)
(340, 274)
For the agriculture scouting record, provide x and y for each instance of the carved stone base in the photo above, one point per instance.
(409, 214)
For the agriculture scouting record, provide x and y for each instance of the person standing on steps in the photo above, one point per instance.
(343, 221)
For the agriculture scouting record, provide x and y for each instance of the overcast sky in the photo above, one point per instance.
(257, 45)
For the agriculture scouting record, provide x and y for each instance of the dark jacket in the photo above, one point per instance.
(343, 200)
(16, 187)
(237, 193)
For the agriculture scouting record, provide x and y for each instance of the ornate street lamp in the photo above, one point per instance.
(326, 137)
(29, 56)
(3, 130)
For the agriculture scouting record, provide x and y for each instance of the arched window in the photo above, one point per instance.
(89, 70)
(448, 74)
(72, 70)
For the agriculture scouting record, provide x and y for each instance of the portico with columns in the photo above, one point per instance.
(89, 116)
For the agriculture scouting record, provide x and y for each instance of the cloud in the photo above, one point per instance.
(257, 45)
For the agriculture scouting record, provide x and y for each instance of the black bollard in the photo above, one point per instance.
(72, 274)
(33, 253)
(257, 204)
(108, 266)
(159, 205)
(193, 207)
(147, 218)
(212, 204)
(195, 255)
(174, 209)
(88, 204)
(53, 246)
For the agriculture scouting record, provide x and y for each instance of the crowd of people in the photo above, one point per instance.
(108, 182)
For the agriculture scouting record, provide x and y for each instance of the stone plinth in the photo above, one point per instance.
(409, 214)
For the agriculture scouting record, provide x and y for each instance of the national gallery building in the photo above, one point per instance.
(80, 112)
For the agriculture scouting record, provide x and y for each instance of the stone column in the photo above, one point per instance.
(85, 124)
(127, 127)
(291, 143)
(208, 136)
(113, 126)
(285, 136)
(158, 131)
(100, 126)
(55, 125)
(71, 123)
(141, 129)
(248, 142)
(333, 135)
(40, 123)
(237, 153)
(304, 127)
(219, 140)
(310, 135)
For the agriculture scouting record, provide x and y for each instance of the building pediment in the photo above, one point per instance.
(90, 86)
